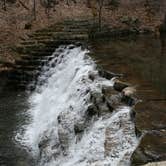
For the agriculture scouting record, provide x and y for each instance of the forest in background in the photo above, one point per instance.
(21, 17)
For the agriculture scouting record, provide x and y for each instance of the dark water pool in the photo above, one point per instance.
(13, 103)
(143, 56)
(142, 60)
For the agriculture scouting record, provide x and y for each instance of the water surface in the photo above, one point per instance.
(142, 57)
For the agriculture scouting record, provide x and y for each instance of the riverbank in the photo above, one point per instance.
(17, 21)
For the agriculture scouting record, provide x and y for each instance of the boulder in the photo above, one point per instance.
(119, 85)
(107, 74)
(151, 148)
(100, 104)
(79, 127)
(128, 100)
(128, 95)
(92, 110)
(129, 91)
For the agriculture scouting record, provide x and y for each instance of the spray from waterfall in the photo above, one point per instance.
(72, 122)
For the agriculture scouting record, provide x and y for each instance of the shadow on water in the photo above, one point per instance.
(13, 104)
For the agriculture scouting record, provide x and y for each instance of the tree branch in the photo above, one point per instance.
(23, 4)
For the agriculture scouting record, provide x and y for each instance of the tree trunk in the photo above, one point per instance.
(101, 3)
(88, 4)
(34, 9)
(100, 15)
(67, 2)
(4, 5)
(23, 4)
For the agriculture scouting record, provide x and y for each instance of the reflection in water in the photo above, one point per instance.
(162, 68)
(142, 60)
(145, 55)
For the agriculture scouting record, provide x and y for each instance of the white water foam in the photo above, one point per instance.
(66, 93)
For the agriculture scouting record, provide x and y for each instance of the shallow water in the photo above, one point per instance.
(144, 57)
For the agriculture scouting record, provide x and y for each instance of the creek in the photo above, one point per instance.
(50, 126)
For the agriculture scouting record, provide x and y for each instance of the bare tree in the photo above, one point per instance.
(104, 3)
(4, 5)
(68, 2)
(100, 7)
(48, 4)
(23, 5)
(152, 8)
(96, 7)
(88, 4)
(34, 9)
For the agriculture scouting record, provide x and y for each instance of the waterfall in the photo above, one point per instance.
(71, 121)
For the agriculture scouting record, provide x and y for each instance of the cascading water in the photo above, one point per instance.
(72, 122)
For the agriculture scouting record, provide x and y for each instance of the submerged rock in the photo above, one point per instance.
(150, 149)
